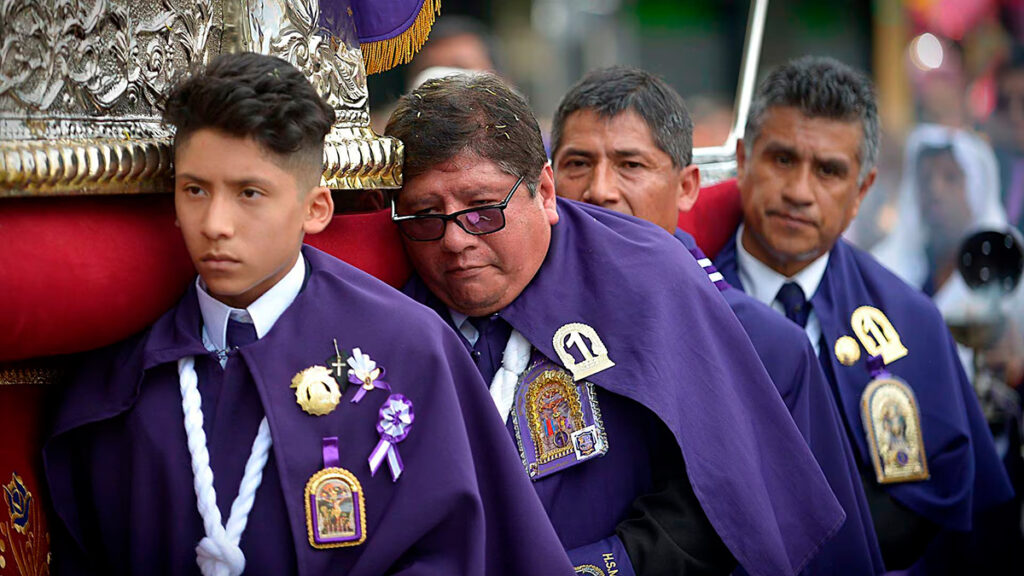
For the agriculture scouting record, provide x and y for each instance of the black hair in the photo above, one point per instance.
(612, 91)
(819, 87)
(250, 95)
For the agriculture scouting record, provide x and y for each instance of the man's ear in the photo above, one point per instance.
(689, 188)
(862, 191)
(319, 210)
(546, 192)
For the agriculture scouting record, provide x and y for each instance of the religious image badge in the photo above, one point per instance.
(316, 391)
(892, 423)
(335, 506)
(593, 355)
(557, 421)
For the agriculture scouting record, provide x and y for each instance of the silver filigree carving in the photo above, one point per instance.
(334, 68)
(97, 57)
(81, 83)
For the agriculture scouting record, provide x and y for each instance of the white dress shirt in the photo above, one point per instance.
(262, 313)
(763, 284)
(463, 325)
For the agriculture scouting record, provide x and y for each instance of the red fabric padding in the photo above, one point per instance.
(715, 216)
(369, 242)
(80, 273)
(24, 413)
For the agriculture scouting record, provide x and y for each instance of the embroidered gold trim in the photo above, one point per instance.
(28, 544)
(353, 483)
(384, 55)
(27, 374)
(589, 570)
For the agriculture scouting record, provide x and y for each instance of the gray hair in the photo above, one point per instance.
(612, 91)
(820, 88)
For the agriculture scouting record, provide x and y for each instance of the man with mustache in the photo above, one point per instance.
(806, 161)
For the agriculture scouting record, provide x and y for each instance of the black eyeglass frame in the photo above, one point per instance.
(454, 216)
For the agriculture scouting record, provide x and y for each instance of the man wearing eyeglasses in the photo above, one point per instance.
(572, 313)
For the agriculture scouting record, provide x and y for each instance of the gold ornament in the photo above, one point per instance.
(847, 351)
(316, 391)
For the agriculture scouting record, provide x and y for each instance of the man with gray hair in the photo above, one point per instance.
(570, 312)
(929, 467)
(622, 140)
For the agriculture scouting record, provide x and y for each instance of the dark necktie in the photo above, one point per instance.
(240, 333)
(793, 301)
(490, 344)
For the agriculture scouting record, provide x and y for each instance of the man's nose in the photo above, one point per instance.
(603, 189)
(218, 219)
(455, 239)
(799, 188)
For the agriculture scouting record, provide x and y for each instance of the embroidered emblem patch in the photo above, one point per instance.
(592, 354)
(589, 570)
(316, 391)
(335, 509)
(892, 423)
(877, 334)
(558, 421)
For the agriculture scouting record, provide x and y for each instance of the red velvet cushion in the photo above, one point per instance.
(80, 273)
(715, 216)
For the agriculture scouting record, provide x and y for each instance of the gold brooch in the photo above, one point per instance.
(316, 391)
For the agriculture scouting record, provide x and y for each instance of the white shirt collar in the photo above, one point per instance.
(463, 325)
(763, 283)
(262, 313)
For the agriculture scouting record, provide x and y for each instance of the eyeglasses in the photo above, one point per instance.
(476, 221)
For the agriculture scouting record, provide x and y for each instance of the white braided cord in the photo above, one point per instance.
(218, 553)
(513, 364)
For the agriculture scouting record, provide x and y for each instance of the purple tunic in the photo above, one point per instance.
(788, 357)
(120, 475)
(966, 474)
(749, 467)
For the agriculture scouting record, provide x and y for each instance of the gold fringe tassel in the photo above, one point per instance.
(384, 55)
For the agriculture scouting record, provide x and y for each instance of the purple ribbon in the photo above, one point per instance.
(330, 450)
(368, 384)
(876, 366)
(396, 418)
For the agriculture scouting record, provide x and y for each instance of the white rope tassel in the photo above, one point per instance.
(218, 554)
(513, 363)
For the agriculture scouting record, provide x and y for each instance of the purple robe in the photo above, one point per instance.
(750, 469)
(788, 357)
(966, 474)
(120, 475)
